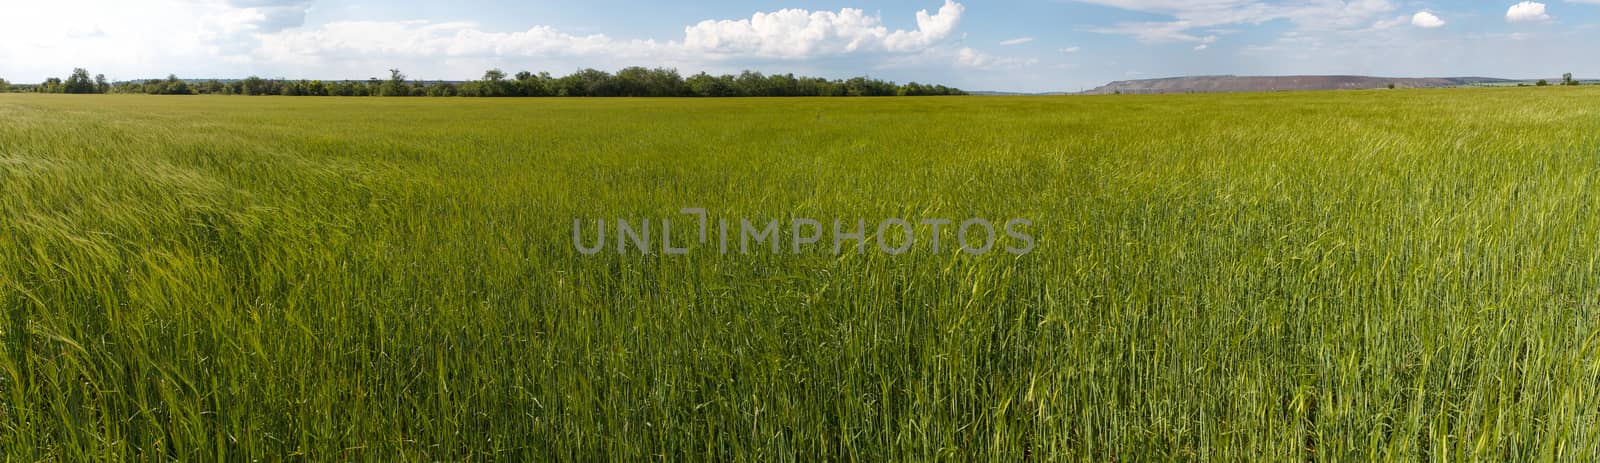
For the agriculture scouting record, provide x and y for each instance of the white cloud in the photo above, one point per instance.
(795, 33)
(436, 40)
(1527, 12)
(230, 38)
(1156, 32)
(1391, 23)
(785, 35)
(1426, 20)
(139, 39)
(1197, 21)
(1072, 49)
(1016, 41)
(971, 58)
(960, 58)
(1201, 47)
(271, 15)
(968, 58)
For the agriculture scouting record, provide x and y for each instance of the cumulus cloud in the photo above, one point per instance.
(1426, 20)
(223, 38)
(1016, 41)
(139, 39)
(437, 40)
(1072, 49)
(795, 33)
(271, 38)
(784, 35)
(1527, 12)
(270, 15)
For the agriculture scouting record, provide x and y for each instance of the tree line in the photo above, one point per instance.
(629, 82)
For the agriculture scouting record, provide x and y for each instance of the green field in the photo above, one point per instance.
(1328, 276)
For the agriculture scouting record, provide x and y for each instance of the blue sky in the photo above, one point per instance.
(1018, 45)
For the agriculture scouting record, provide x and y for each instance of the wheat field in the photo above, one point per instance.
(1323, 276)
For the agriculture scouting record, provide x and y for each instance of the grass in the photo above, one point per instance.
(1327, 276)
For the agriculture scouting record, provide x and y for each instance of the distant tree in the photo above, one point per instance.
(341, 89)
(530, 84)
(50, 85)
(592, 82)
(211, 87)
(493, 85)
(1541, 83)
(1566, 79)
(252, 86)
(4, 86)
(396, 85)
(703, 84)
(750, 83)
(1391, 86)
(442, 89)
(79, 82)
(174, 86)
(127, 87)
(631, 81)
(857, 86)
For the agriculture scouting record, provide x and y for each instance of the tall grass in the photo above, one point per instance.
(1301, 276)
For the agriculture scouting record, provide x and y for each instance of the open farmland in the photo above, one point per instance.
(1329, 276)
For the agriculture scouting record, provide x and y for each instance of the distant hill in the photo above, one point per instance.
(1212, 84)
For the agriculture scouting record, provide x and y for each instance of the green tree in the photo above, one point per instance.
(632, 81)
(1566, 79)
(78, 82)
(442, 89)
(494, 84)
(751, 83)
(252, 86)
(174, 86)
(1541, 83)
(4, 86)
(703, 84)
(591, 82)
(395, 86)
